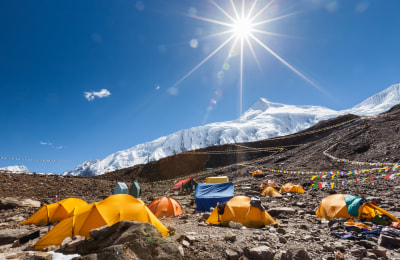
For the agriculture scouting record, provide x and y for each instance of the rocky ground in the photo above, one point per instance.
(301, 235)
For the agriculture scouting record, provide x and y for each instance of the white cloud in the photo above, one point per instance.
(51, 145)
(101, 94)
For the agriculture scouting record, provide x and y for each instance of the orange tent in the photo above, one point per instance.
(109, 211)
(165, 207)
(258, 173)
(270, 191)
(268, 183)
(290, 187)
(52, 213)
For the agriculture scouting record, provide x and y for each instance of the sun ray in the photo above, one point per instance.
(203, 61)
(285, 63)
(235, 10)
(242, 9)
(215, 35)
(262, 10)
(254, 54)
(251, 10)
(274, 19)
(233, 45)
(241, 79)
(210, 20)
(223, 11)
(274, 34)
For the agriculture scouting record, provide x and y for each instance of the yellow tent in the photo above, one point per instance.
(270, 191)
(218, 179)
(349, 206)
(268, 183)
(106, 212)
(290, 187)
(52, 213)
(258, 173)
(238, 209)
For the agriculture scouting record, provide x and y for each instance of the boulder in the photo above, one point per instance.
(295, 254)
(129, 239)
(8, 236)
(274, 212)
(262, 253)
(388, 241)
(231, 255)
(11, 203)
(42, 256)
(379, 252)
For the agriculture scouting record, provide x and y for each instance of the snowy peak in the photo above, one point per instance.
(15, 168)
(378, 103)
(263, 105)
(264, 108)
(263, 120)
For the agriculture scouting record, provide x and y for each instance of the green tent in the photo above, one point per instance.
(121, 188)
(135, 190)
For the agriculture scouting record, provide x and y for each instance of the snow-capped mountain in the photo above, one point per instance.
(15, 168)
(263, 120)
(378, 103)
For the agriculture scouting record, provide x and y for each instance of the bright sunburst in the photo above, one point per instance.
(242, 27)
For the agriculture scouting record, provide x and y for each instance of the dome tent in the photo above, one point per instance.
(55, 212)
(268, 183)
(186, 184)
(270, 191)
(121, 188)
(165, 207)
(135, 190)
(291, 188)
(106, 212)
(258, 173)
(350, 206)
(239, 209)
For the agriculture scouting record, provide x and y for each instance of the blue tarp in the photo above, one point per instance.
(208, 195)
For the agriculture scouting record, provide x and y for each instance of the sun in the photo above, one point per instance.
(242, 28)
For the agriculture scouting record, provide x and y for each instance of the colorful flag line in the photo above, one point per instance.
(356, 162)
(358, 180)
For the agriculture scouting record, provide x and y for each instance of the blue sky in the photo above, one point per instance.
(81, 80)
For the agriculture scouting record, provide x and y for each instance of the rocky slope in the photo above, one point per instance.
(351, 141)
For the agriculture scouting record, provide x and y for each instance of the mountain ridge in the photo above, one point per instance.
(263, 120)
